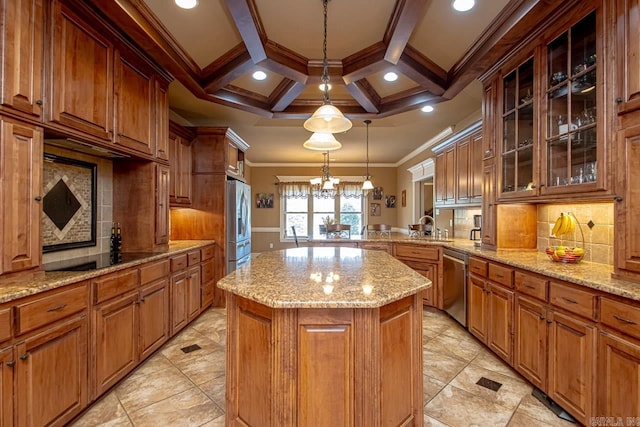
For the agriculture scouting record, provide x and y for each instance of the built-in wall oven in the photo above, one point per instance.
(455, 284)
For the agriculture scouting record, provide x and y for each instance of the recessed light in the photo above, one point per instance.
(321, 86)
(427, 108)
(391, 76)
(463, 5)
(187, 4)
(259, 75)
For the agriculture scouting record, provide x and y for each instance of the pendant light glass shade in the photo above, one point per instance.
(327, 119)
(367, 184)
(321, 141)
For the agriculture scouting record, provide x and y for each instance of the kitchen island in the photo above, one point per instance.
(325, 337)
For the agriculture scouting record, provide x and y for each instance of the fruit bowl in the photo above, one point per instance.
(565, 254)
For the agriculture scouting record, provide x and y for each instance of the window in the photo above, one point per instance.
(308, 211)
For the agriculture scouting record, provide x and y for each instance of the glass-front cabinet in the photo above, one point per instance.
(550, 116)
(571, 155)
(518, 136)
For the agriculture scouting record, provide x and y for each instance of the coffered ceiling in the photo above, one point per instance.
(213, 49)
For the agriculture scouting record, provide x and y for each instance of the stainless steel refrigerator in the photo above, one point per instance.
(238, 220)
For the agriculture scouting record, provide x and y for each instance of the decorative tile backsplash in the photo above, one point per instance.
(598, 240)
(463, 220)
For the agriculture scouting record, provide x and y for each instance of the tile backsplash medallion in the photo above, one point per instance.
(104, 209)
(598, 240)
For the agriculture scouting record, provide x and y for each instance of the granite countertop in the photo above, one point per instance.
(290, 278)
(588, 274)
(41, 281)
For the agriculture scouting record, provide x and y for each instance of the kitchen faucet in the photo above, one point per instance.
(433, 223)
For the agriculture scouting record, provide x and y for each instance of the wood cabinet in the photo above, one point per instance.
(458, 169)
(477, 315)
(162, 120)
(530, 345)
(81, 77)
(180, 164)
(627, 58)
(426, 260)
(7, 373)
(154, 316)
(194, 284)
(134, 83)
(162, 205)
(179, 301)
(234, 159)
(20, 195)
(21, 53)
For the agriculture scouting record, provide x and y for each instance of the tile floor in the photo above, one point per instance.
(174, 388)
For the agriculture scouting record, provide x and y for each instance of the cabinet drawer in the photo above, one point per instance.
(478, 266)
(193, 257)
(531, 285)
(49, 309)
(178, 262)
(572, 299)
(110, 285)
(207, 271)
(422, 252)
(620, 316)
(5, 324)
(501, 275)
(154, 271)
(208, 252)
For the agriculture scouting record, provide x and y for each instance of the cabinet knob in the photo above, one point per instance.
(487, 151)
(38, 101)
(541, 317)
(11, 363)
(618, 100)
(541, 185)
(618, 198)
(549, 320)
(24, 356)
(37, 198)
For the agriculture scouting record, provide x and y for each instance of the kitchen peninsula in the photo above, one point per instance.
(324, 336)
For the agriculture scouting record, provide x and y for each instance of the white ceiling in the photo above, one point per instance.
(441, 34)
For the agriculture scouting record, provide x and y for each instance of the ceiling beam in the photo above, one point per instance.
(285, 62)
(247, 20)
(361, 64)
(283, 95)
(401, 25)
(423, 71)
(243, 100)
(230, 66)
(407, 101)
(366, 96)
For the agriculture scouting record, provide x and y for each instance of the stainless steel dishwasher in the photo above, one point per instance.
(455, 284)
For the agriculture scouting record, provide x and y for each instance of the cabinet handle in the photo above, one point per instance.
(618, 100)
(24, 356)
(37, 198)
(499, 276)
(549, 320)
(38, 101)
(541, 185)
(487, 151)
(569, 300)
(11, 363)
(622, 319)
(541, 316)
(618, 198)
(161, 151)
(526, 285)
(141, 299)
(57, 307)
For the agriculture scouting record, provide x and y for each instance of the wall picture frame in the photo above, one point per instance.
(69, 203)
(264, 200)
(377, 193)
(390, 201)
(404, 198)
(374, 209)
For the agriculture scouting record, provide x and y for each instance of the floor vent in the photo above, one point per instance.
(490, 384)
(190, 348)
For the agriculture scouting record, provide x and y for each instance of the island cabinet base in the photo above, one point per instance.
(324, 366)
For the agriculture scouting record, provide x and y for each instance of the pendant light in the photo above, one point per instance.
(322, 142)
(367, 184)
(327, 118)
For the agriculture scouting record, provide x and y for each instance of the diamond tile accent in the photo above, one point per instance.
(60, 204)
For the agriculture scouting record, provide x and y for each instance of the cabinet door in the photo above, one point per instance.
(7, 366)
(162, 204)
(115, 341)
(20, 196)
(179, 301)
(52, 375)
(81, 75)
(477, 308)
(135, 104)
(628, 54)
(618, 370)
(21, 46)
(154, 316)
(488, 203)
(174, 169)
(162, 121)
(500, 311)
(195, 283)
(440, 179)
(489, 119)
(571, 365)
(429, 296)
(627, 227)
(184, 182)
(450, 170)
(475, 169)
(530, 341)
(462, 180)
(232, 159)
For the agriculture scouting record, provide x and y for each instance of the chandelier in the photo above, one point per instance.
(325, 183)
(327, 119)
(367, 184)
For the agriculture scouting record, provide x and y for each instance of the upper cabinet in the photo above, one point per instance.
(21, 47)
(628, 55)
(180, 165)
(458, 169)
(548, 114)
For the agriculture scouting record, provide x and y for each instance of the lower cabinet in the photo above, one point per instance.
(530, 347)
(7, 367)
(51, 374)
(426, 260)
(154, 316)
(115, 340)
